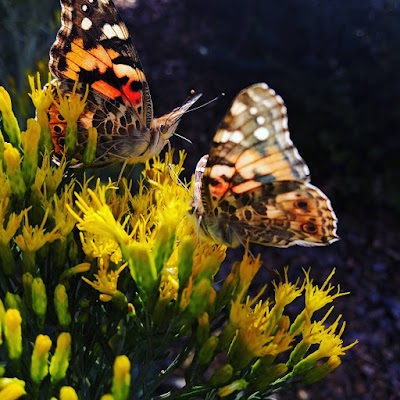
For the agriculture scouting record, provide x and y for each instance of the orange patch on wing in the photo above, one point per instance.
(250, 164)
(216, 173)
(112, 53)
(89, 60)
(134, 97)
(106, 89)
(246, 186)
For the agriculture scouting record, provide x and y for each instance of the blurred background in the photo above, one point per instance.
(336, 64)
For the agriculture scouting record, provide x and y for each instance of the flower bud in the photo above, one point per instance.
(27, 280)
(13, 333)
(200, 297)
(122, 378)
(11, 388)
(221, 376)
(30, 142)
(39, 299)
(61, 306)
(207, 351)
(13, 300)
(7, 260)
(89, 153)
(68, 393)
(185, 261)
(12, 159)
(10, 123)
(203, 330)
(235, 386)
(263, 372)
(60, 360)
(39, 360)
(142, 268)
(320, 371)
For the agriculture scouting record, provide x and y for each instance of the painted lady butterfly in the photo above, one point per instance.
(93, 47)
(254, 183)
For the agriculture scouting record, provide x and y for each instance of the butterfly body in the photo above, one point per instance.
(94, 48)
(254, 184)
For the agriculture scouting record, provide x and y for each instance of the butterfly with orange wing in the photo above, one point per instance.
(254, 185)
(93, 47)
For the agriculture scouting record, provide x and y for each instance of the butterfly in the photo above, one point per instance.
(93, 48)
(254, 185)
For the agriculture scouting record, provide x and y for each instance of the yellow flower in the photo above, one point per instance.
(71, 107)
(30, 141)
(34, 238)
(98, 218)
(286, 292)
(260, 332)
(106, 281)
(317, 298)
(14, 221)
(42, 99)
(329, 343)
(48, 178)
(63, 219)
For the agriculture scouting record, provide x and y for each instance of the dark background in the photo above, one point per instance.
(336, 64)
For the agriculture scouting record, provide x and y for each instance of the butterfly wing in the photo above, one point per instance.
(93, 46)
(256, 185)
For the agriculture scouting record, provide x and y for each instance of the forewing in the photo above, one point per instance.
(93, 46)
(252, 146)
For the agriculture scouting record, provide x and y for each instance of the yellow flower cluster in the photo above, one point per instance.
(138, 246)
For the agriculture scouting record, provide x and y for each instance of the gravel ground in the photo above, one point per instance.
(326, 65)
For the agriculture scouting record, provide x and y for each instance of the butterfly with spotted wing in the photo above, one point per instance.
(94, 48)
(255, 185)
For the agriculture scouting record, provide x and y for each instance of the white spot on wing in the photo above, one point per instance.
(260, 120)
(119, 31)
(223, 136)
(261, 133)
(253, 110)
(236, 137)
(237, 108)
(86, 24)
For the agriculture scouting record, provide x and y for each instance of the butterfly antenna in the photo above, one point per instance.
(122, 171)
(206, 103)
(183, 138)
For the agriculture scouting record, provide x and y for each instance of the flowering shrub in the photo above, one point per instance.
(108, 291)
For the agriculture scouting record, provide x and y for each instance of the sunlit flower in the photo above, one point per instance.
(106, 279)
(35, 237)
(71, 107)
(9, 122)
(42, 99)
